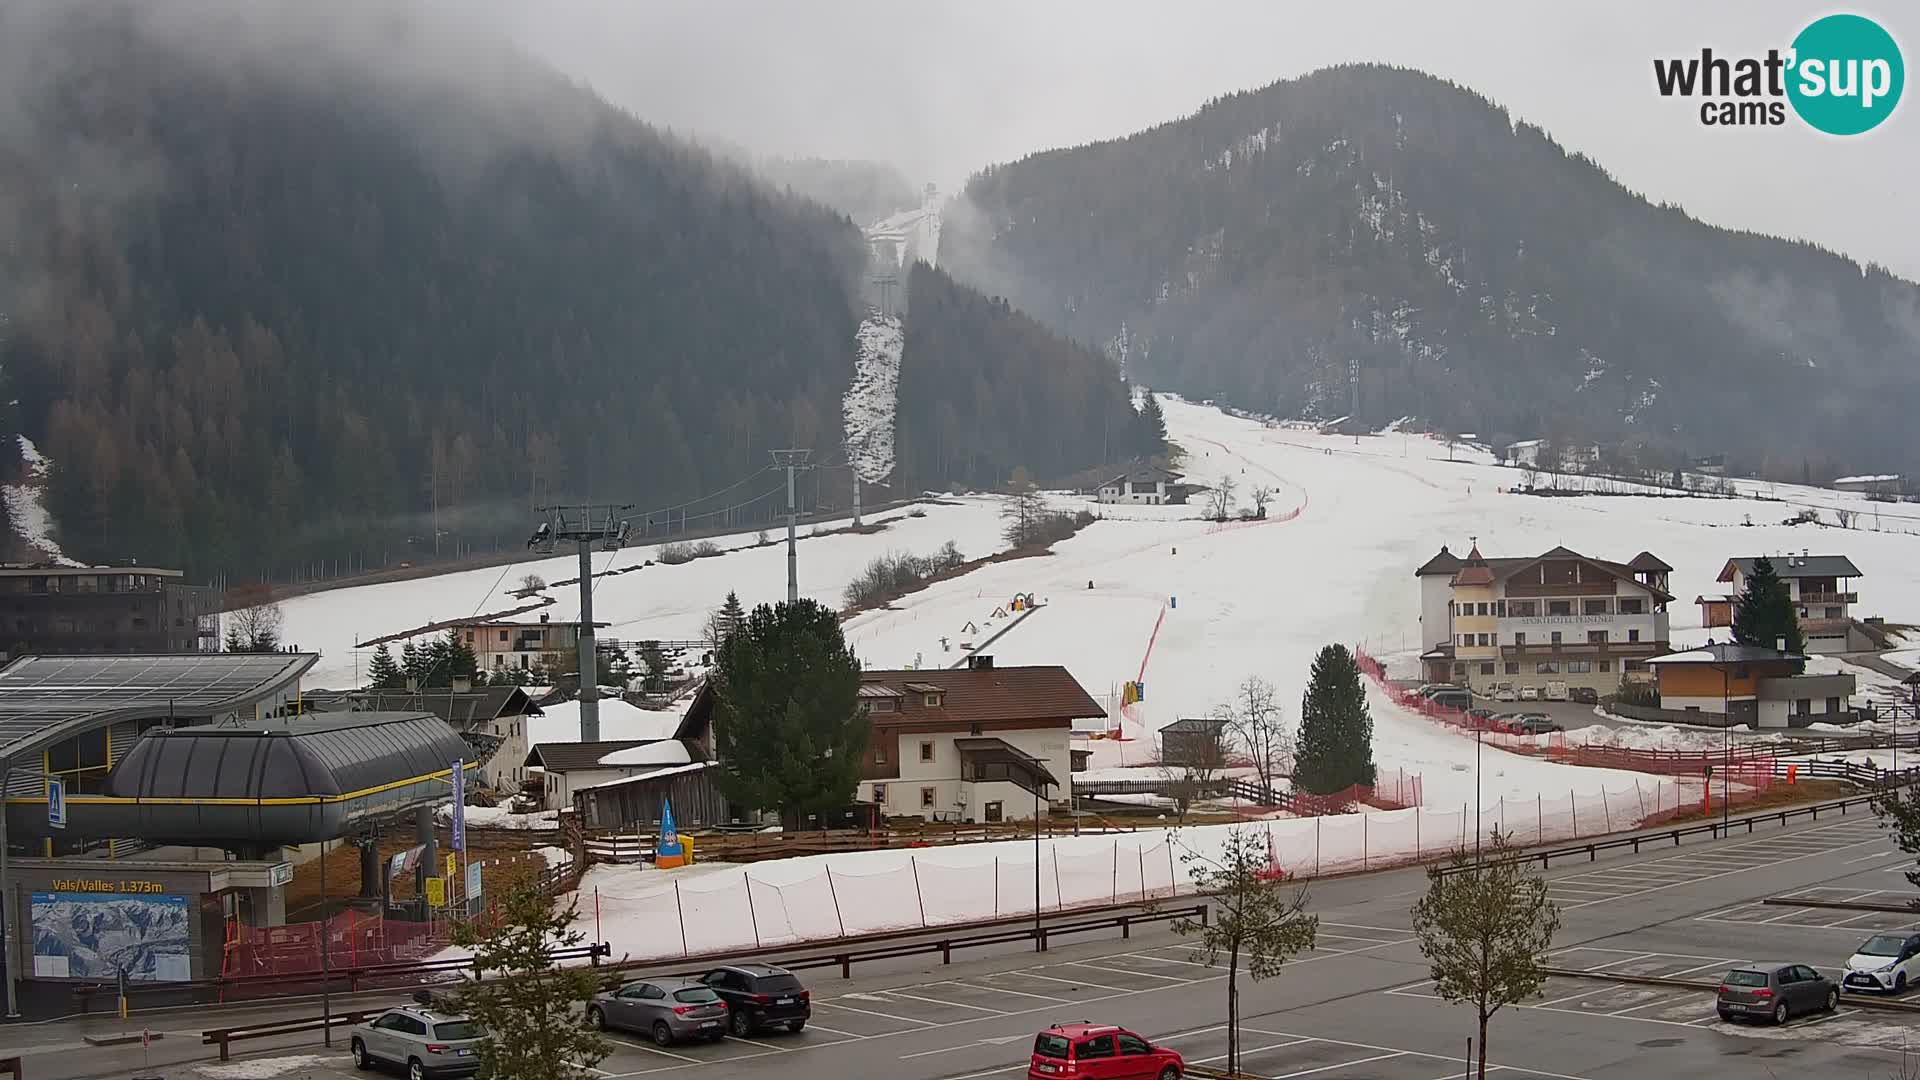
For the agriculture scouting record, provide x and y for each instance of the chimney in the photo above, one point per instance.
(413, 685)
(543, 616)
(979, 662)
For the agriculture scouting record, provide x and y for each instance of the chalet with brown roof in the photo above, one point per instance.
(1557, 617)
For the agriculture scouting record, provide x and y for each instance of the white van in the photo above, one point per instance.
(1556, 691)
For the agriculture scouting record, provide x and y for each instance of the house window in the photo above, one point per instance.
(1606, 665)
(1519, 637)
(1593, 607)
(1556, 637)
(993, 812)
(1579, 667)
(885, 705)
(1523, 609)
(1632, 605)
(1466, 639)
(1633, 635)
(1803, 706)
(1483, 641)
(1547, 667)
(1486, 668)
(926, 751)
(1513, 668)
(1833, 613)
(469, 637)
(1459, 669)
(1596, 637)
(932, 701)
(927, 795)
(1635, 665)
(1559, 607)
(879, 755)
(503, 635)
(880, 793)
(1483, 609)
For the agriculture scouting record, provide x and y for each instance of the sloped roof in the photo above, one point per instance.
(568, 756)
(1809, 566)
(1648, 561)
(1444, 563)
(1475, 570)
(486, 703)
(1504, 568)
(1726, 653)
(1044, 695)
(326, 754)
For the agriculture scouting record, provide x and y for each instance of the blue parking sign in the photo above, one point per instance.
(56, 804)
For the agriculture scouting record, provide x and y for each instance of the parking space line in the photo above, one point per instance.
(1068, 982)
(836, 1031)
(1342, 1065)
(1165, 960)
(937, 1001)
(757, 1042)
(637, 1045)
(1291, 1041)
(1864, 858)
(1406, 1053)
(1123, 971)
(1001, 990)
(869, 1012)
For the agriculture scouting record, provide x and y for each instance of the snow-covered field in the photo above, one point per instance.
(1191, 607)
(668, 603)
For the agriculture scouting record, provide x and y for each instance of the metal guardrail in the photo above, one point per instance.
(1837, 905)
(225, 1037)
(897, 944)
(1714, 829)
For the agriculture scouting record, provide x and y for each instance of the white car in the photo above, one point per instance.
(1505, 693)
(1529, 693)
(1886, 962)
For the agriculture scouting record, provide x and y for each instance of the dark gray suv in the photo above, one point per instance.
(760, 996)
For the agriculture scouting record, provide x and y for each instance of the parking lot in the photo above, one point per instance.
(1576, 888)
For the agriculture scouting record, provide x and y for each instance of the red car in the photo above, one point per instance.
(1089, 1051)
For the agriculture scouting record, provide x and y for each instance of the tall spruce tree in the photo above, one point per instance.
(1764, 614)
(383, 673)
(1335, 748)
(784, 696)
(1150, 429)
(413, 665)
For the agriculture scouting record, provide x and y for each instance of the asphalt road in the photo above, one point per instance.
(1357, 1007)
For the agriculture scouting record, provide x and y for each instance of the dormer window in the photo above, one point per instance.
(933, 701)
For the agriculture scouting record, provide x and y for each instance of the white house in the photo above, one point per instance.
(1148, 484)
(978, 743)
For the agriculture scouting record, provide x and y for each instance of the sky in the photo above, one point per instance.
(942, 89)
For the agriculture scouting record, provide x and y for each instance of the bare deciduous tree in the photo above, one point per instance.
(1220, 499)
(1192, 762)
(1258, 723)
(530, 583)
(1262, 495)
(254, 629)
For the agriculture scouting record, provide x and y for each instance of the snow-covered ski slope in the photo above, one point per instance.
(1228, 601)
(668, 603)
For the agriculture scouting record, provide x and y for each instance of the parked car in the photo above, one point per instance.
(1427, 690)
(1451, 699)
(1484, 715)
(760, 996)
(1585, 695)
(1505, 693)
(1089, 1051)
(1556, 691)
(1535, 724)
(666, 1010)
(1529, 693)
(1778, 992)
(1884, 962)
(426, 1042)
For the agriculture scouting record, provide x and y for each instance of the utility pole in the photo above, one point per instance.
(793, 461)
(855, 470)
(585, 526)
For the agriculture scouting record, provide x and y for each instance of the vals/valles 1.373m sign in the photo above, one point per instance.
(1842, 75)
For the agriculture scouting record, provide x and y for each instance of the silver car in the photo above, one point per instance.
(423, 1041)
(666, 1010)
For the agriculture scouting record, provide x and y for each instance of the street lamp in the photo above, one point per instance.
(1039, 785)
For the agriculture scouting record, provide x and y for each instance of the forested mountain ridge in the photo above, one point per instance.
(1481, 276)
(332, 284)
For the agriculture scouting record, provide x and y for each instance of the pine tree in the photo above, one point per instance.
(1335, 748)
(1150, 428)
(383, 673)
(455, 659)
(731, 614)
(413, 665)
(1764, 614)
(784, 696)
